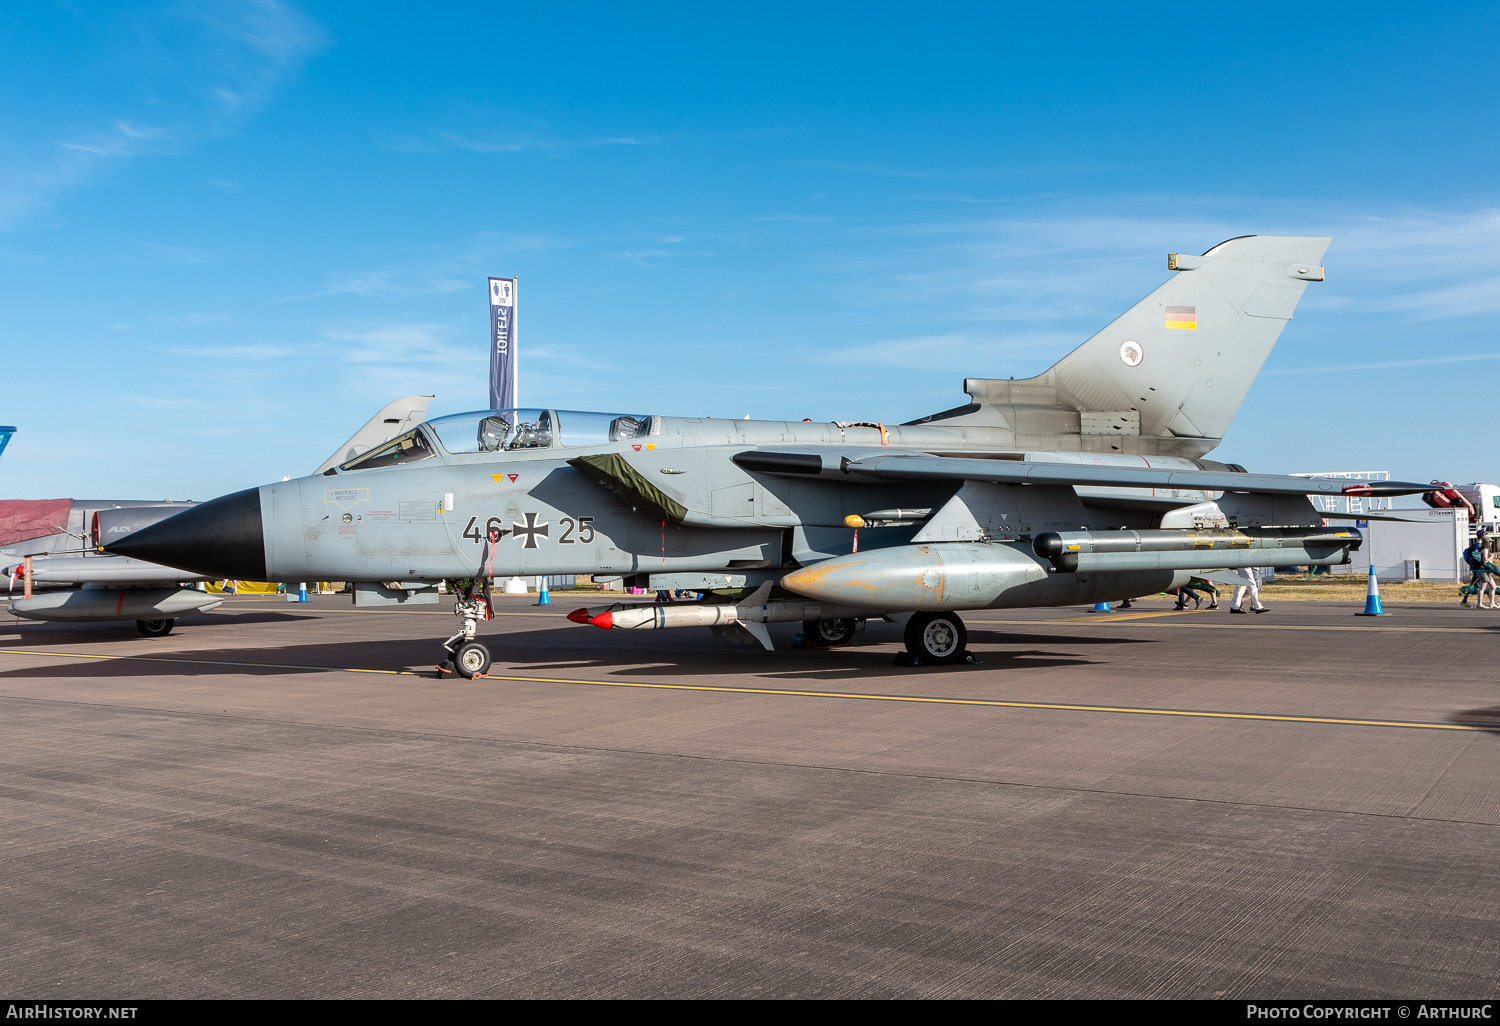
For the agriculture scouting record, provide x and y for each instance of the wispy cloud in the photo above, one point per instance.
(393, 282)
(1427, 264)
(1381, 365)
(238, 352)
(201, 71)
(649, 257)
(123, 138)
(456, 267)
(501, 140)
(161, 254)
(1064, 267)
(879, 170)
(954, 349)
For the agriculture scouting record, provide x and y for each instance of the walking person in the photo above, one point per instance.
(1481, 573)
(1490, 573)
(1251, 577)
(1191, 590)
(1204, 585)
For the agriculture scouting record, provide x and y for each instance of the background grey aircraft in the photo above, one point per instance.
(1083, 484)
(71, 579)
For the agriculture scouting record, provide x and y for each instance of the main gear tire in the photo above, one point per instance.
(935, 639)
(824, 633)
(471, 660)
(154, 628)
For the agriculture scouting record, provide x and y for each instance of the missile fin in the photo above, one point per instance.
(757, 630)
(758, 597)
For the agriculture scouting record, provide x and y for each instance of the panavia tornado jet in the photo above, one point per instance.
(1084, 484)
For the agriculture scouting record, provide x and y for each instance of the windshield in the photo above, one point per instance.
(402, 449)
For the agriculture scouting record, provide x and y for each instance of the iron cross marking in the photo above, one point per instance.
(530, 530)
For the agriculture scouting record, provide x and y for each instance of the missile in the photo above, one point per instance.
(1113, 551)
(646, 616)
(114, 604)
(750, 615)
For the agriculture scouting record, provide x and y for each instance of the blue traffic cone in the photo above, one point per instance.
(302, 592)
(543, 599)
(1372, 597)
(1100, 607)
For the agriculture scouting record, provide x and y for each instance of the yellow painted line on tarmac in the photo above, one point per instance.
(1117, 617)
(560, 613)
(790, 693)
(1252, 626)
(1097, 619)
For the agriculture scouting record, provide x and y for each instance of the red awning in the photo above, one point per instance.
(32, 518)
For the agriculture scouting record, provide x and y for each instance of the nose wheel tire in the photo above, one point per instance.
(155, 628)
(471, 660)
(828, 632)
(933, 639)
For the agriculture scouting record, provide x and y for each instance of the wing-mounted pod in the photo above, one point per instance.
(1116, 551)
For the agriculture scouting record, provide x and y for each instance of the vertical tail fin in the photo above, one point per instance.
(1176, 366)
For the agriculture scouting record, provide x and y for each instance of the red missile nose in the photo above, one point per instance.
(579, 616)
(605, 620)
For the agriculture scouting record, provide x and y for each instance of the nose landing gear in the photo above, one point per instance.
(463, 656)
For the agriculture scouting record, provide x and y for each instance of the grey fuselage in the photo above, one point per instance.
(428, 520)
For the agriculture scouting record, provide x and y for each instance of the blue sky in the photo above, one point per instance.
(229, 232)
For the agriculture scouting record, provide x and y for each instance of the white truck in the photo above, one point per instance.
(1485, 498)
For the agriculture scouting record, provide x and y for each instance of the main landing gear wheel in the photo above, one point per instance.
(824, 633)
(935, 639)
(155, 628)
(471, 660)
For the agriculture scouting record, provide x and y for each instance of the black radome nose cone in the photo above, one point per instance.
(220, 538)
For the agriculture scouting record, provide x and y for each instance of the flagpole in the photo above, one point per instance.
(515, 335)
(503, 393)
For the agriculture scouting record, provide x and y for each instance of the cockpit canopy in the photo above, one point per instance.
(512, 430)
(503, 431)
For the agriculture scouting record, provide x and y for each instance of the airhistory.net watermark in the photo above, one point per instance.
(46, 1010)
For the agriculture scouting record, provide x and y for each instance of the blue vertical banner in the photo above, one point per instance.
(503, 368)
